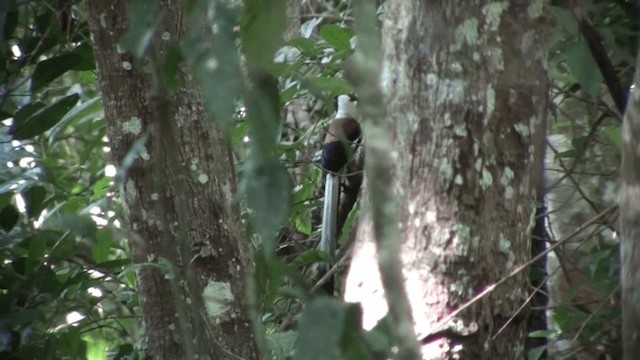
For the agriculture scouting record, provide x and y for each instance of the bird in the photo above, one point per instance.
(344, 131)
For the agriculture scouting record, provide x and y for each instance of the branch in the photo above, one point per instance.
(599, 53)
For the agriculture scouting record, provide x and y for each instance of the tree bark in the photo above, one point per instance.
(630, 222)
(172, 205)
(465, 91)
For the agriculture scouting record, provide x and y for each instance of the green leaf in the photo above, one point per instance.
(124, 351)
(9, 217)
(34, 198)
(267, 195)
(102, 246)
(8, 20)
(37, 250)
(356, 344)
(267, 183)
(261, 31)
(339, 38)
(536, 353)
(20, 318)
(282, 343)
(117, 264)
(332, 85)
(102, 187)
(65, 245)
(288, 94)
(379, 340)
(26, 111)
(5, 199)
(81, 225)
(614, 134)
(44, 119)
(87, 61)
(216, 63)
(322, 328)
(569, 154)
(310, 257)
(583, 68)
(347, 228)
(563, 17)
(88, 110)
(306, 46)
(171, 67)
(50, 69)
(80, 59)
(71, 343)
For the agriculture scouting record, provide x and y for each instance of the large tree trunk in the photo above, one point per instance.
(465, 91)
(630, 222)
(202, 312)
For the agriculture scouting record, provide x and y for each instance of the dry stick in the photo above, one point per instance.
(331, 271)
(533, 293)
(536, 289)
(435, 332)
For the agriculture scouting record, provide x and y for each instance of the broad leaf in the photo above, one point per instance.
(81, 225)
(216, 63)
(583, 67)
(43, 119)
(339, 38)
(325, 327)
(101, 248)
(330, 85)
(9, 217)
(262, 27)
(88, 110)
(306, 46)
(37, 250)
(615, 135)
(34, 200)
(50, 69)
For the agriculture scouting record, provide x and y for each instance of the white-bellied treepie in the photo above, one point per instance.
(344, 130)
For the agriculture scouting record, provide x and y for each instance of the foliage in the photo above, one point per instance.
(582, 169)
(68, 289)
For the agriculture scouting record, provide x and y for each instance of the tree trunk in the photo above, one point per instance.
(630, 222)
(174, 205)
(465, 91)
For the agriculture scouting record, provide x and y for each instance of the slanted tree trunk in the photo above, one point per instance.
(630, 222)
(465, 91)
(179, 194)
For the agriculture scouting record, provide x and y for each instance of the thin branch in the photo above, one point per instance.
(436, 328)
(599, 53)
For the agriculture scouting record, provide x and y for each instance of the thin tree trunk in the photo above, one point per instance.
(178, 193)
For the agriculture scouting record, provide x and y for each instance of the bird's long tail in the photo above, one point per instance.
(329, 224)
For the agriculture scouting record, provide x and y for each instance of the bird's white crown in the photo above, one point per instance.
(346, 107)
